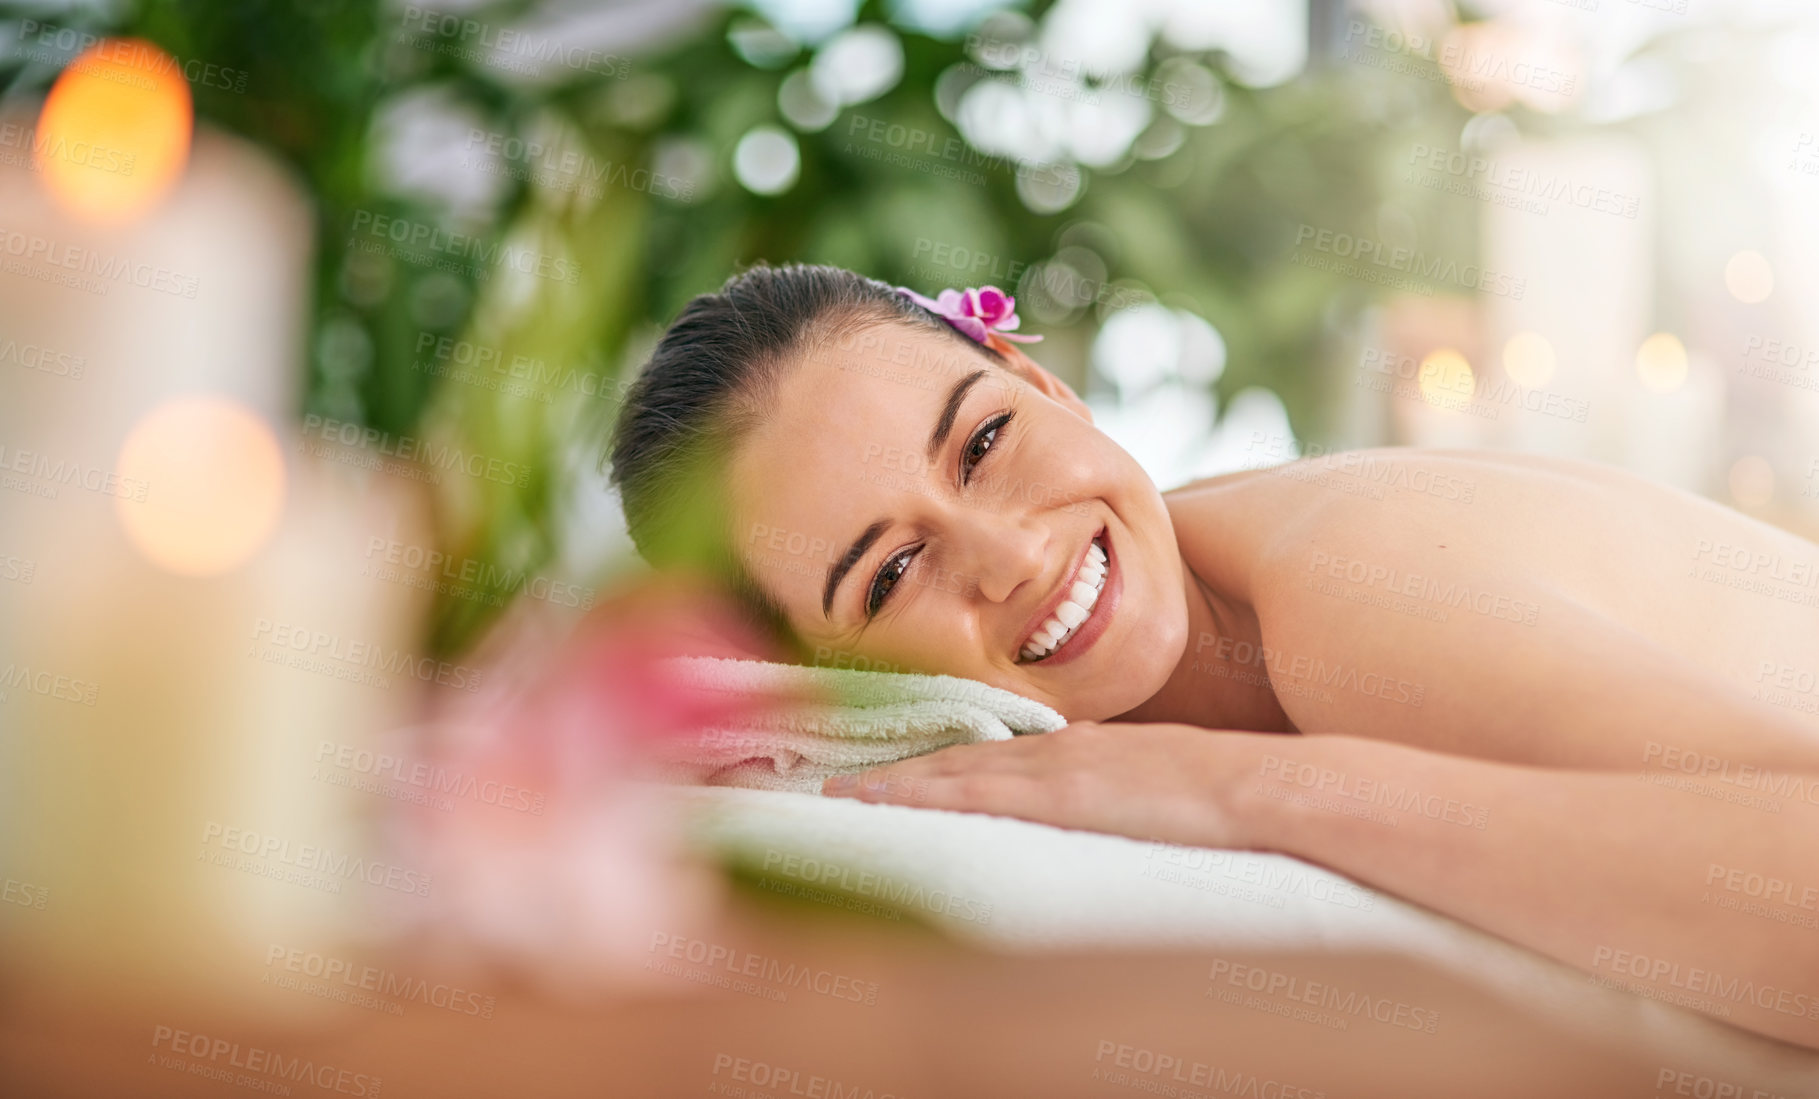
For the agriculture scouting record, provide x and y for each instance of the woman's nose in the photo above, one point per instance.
(1001, 552)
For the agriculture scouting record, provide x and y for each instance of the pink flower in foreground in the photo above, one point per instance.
(547, 852)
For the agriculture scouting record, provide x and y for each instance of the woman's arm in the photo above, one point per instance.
(1659, 890)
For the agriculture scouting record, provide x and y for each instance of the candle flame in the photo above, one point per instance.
(114, 134)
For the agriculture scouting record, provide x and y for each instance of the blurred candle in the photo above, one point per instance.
(164, 787)
(1572, 228)
(115, 131)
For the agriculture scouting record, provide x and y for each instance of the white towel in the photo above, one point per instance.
(1017, 885)
(802, 724)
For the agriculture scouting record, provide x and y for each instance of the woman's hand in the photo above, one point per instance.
(1174, 783)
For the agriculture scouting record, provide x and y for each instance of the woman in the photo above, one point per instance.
(1550, 699)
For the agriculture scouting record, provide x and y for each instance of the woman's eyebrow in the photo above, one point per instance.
(837, 572)
(945, 425)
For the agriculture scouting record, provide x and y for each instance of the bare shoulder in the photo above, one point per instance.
(1244, 530)
(1421, 595)
(1606, 536)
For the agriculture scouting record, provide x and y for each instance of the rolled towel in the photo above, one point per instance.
(798, 725)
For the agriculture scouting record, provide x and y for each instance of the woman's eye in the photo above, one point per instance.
(981, 444)
(887, 578)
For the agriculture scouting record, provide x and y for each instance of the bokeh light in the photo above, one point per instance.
(1661, 363)
(802, 105)
(1749, 277)
(215, 484)
(1446, 377)
(1529, 359)
(767, 161)
(114, 135)
(859, 65)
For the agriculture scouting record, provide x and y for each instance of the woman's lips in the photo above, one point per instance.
(1099, 616)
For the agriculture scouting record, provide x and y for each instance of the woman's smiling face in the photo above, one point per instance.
(911, 502)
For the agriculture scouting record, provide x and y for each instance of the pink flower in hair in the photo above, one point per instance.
(977, 313)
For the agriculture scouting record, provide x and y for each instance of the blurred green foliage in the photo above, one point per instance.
(1208, 224)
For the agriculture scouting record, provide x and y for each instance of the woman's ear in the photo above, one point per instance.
(1032, 372)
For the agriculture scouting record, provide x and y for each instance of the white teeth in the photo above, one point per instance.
(1074, 610)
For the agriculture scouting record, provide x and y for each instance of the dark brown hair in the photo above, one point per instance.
(709, 380)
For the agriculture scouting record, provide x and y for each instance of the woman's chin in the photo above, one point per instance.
(1131, 674)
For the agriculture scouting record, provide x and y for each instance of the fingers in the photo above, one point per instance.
(999, 793)
(959, 777)
(908, 781)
